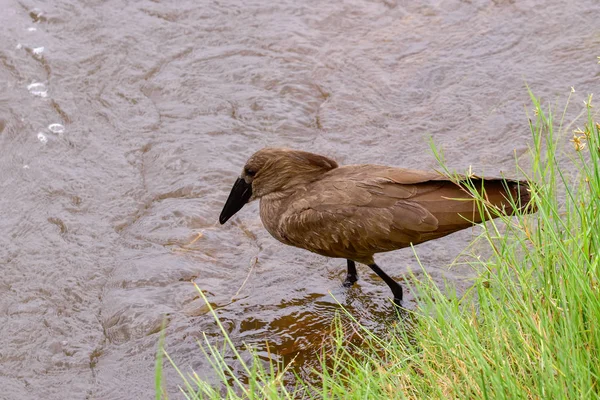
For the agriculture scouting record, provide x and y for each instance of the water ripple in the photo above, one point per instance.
(56, 128)
(42, 138)
(38, 89)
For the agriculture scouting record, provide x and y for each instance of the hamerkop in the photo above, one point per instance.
(355, 211)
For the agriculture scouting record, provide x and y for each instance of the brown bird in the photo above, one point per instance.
(355, 211)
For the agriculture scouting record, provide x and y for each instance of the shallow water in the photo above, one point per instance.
(124, 124)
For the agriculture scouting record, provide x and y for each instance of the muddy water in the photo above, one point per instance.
(123, 125)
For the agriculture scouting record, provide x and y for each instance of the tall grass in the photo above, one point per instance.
(529, 327)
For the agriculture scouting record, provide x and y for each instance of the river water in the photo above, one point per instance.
(123, 125)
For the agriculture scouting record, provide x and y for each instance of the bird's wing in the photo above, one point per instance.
(360, 213)
(356, 211)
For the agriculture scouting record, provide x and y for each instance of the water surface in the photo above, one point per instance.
(124, 124)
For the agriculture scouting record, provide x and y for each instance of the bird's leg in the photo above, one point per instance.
(351, 276)
(395, 286)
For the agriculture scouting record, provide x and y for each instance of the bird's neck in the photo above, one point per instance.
(299, 179)
(272, 207)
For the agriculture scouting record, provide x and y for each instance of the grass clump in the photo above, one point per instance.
(529, 327)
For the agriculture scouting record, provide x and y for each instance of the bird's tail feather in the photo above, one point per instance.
(506, 195)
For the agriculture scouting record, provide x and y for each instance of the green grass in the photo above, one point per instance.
(528, 328)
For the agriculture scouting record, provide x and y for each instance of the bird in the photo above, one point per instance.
(353, 212)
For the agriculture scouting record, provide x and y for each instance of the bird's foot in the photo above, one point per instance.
(401, 314)
(350, 280)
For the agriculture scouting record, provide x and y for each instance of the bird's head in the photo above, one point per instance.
(273, 170)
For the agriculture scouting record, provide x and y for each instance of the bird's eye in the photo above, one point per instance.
(249, 172)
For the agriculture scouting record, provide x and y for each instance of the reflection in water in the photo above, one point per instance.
(150, 108)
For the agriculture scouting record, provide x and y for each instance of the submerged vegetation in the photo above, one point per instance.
(529, 326)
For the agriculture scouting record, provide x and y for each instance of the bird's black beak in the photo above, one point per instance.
(240, 194)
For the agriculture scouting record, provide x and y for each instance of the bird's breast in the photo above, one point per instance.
(271, 210)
